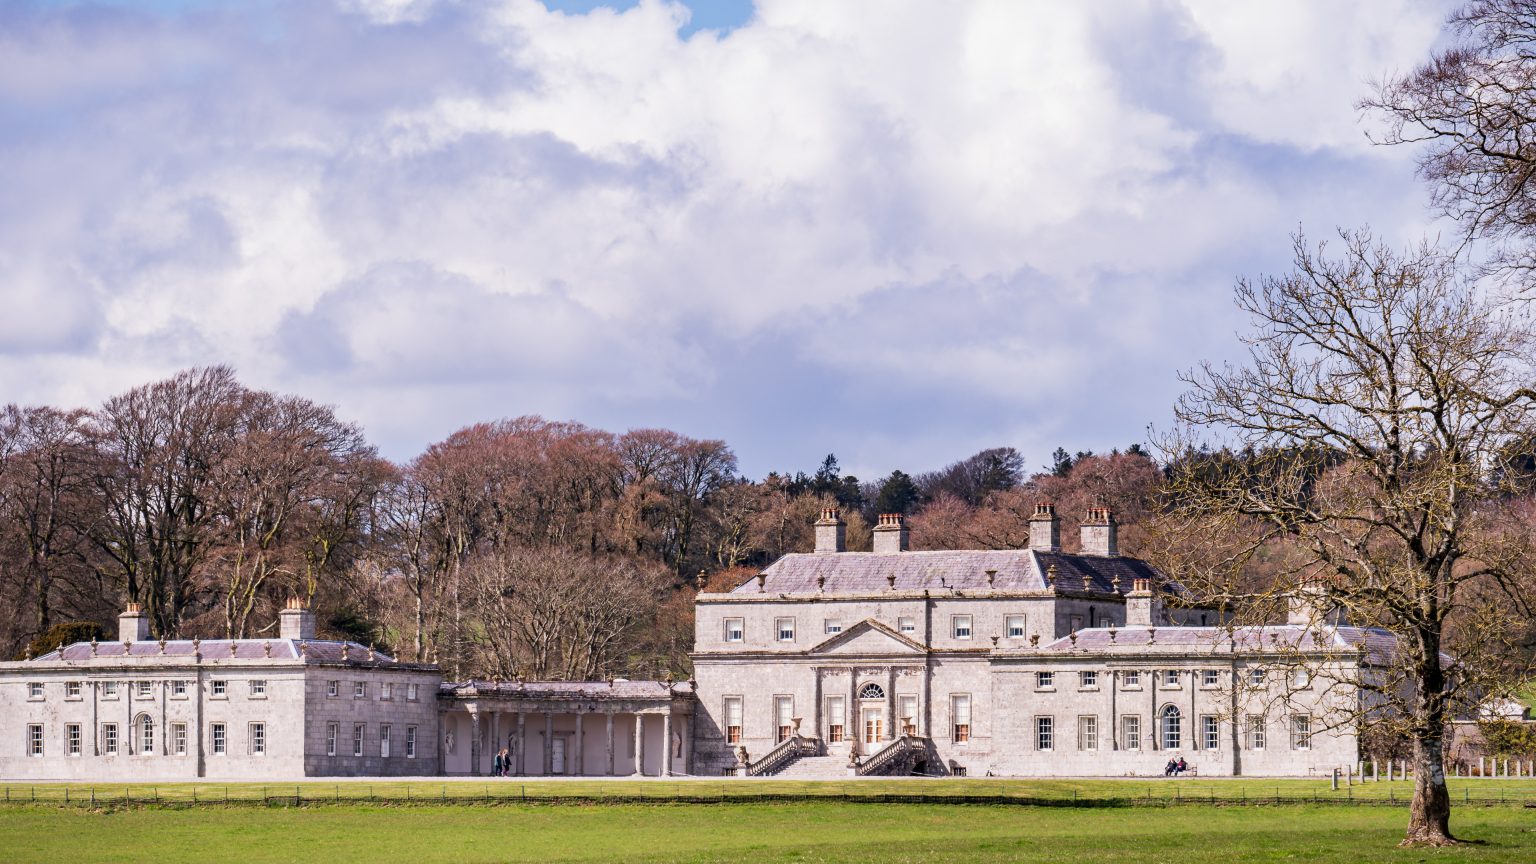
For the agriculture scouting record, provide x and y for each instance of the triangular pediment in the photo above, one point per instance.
(868, 637)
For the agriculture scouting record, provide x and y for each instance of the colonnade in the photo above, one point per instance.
(539, 745)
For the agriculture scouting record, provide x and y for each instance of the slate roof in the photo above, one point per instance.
(315, 650)
(597, 690)
(1016, 570)
(1380, 645)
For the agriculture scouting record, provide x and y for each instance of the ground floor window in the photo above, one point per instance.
(332, 732)
(179, 739)
(357, 739)
(1301, 732)
(906, 712)
(72, 739)
(410, 742)
(146, 735)
(384, 741)
(1087, 732)
(1210, 732)
(109, 738)
(258, 738)
(960, 707)
(1045, 733)
(837, 719)
(1255, 732)
(217, 739)
(1173, 728)
(784, 714)
(1130, 732)
(733, 719)
(35, 739)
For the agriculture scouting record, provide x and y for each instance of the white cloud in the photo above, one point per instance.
(984, 223)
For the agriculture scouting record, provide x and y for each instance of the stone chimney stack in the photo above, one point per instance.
(1098, 532)
(133, 625)
(831, 531)
(1045, 529)
(295, 621)
(1142, 608)
(1309, 606)
(891, 534)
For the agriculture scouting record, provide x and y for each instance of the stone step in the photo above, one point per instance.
(815, 768)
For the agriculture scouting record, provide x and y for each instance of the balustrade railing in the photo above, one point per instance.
(899, 750)
(785, 752)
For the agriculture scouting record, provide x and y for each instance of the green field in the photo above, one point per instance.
(1219, 790)
(819, 831)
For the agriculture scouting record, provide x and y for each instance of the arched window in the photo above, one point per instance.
(871, 691)
(1172, 724)
(146, 726)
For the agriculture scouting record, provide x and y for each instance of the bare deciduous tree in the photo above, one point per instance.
(1379, 388)
(1472, 108)
(159, 449)
(553, 614)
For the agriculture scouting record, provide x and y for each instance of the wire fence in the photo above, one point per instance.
(1109, 794)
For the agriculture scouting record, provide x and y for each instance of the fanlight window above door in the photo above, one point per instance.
(871, 691)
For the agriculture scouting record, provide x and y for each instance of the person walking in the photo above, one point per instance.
(497, 765)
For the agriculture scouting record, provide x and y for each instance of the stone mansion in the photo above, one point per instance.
(1024, 662)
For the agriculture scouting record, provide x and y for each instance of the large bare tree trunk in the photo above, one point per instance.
(1429, 816)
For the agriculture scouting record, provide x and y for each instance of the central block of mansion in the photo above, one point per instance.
(1022, 662)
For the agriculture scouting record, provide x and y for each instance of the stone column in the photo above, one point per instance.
(520, 745)
(608, 741)
(96, 726)
(666, 745)
(495, 734)
(854, 716)
(891, 720)
(639, 744)
(816, 730)
(474, 740)
(581, 765)
(687, 721)
(549, 743)
(165, 729)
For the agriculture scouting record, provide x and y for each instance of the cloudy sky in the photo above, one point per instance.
(900, 231)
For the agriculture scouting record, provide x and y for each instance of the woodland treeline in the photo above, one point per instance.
(519, 547)
(516, 547)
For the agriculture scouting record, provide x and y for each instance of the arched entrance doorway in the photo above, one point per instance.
(872, 719)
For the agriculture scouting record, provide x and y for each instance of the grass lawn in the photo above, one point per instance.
(1217, 789)
(806, 831)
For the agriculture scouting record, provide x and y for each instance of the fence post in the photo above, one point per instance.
(1335, 779)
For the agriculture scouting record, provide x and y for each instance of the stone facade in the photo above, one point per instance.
(1025, 662)
(597, 729)
(136, 709)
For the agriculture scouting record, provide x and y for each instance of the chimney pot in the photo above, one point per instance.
(133, 624)
(1099, 532)
(831, 531)
(891, 534)
(1045, 529)
(295, 621)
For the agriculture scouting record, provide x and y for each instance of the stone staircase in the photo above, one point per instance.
(815, 768)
